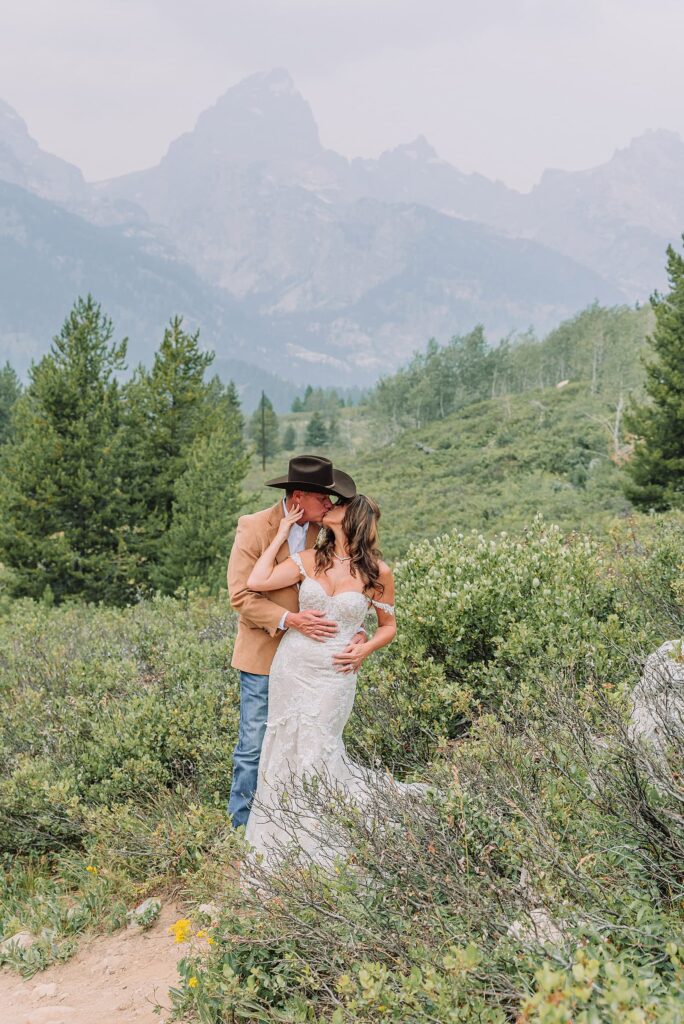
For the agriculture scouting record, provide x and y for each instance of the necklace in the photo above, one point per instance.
(341, 558)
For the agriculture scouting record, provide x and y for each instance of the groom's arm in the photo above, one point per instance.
(256, 608)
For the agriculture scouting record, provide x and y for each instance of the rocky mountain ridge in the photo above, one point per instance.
(329, 269)
(261, 137)
(24, 163)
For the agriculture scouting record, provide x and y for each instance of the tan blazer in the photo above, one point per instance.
(258, 635)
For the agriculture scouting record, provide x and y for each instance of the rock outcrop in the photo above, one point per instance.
(658, 699)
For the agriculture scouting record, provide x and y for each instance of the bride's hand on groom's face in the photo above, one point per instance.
(288, 521)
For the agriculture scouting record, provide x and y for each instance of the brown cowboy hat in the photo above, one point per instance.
(314, 473)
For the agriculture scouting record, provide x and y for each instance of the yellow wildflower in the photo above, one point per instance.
(92, 869)
(192, 982)
(200, 934)
(182, 929)
(211, 941)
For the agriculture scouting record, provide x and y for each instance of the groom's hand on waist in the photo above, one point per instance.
(312, 624)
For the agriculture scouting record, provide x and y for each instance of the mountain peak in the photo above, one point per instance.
(277, 82)
(419, 149)
(274, 88)
(24, 163)
(8, 113)
(12, 127)
(658, 142)
(262, 118)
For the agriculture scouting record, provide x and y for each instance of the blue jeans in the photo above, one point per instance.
(253, 715)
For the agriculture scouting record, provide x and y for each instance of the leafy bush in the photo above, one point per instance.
(535, 885)
(101, 707)
(116, 734)
(482, 621)
(551, 841)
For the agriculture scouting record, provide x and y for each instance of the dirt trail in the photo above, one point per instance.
(113, 979)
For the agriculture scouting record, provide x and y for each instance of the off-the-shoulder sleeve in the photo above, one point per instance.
(389, 608)
(297, 559)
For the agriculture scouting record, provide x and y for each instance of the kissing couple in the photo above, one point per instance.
(302, 576)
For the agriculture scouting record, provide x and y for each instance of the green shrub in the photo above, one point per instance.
(535, 885)
(483, 621)
(506, 687)
(156, 841)
(39, 809)
(104, 706)
(116, 734)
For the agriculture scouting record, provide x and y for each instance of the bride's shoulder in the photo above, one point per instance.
(385, 571)
(385, 584)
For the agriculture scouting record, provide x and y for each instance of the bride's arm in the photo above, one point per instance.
(387, 623)
(352, 657)
(265, 574)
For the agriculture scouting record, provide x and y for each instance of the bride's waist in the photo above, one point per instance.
(339, 641)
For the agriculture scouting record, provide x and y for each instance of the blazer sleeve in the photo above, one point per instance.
(256, 608)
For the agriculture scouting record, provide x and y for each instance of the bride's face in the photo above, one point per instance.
(335, 515)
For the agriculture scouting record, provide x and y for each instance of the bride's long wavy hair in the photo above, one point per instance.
(360, 525)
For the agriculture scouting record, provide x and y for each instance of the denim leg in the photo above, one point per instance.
(253, 715)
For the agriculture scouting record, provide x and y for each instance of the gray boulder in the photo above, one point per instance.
(20, 940)
(658, 698)
(145, 913)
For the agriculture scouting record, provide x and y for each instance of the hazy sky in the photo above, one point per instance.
(505, 87)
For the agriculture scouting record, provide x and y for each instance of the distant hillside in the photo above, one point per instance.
(49, 256)
(550, 441)
(494, 465)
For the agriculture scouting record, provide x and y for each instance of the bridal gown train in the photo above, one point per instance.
(309, 703)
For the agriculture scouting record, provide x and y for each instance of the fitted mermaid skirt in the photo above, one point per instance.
(309, 704)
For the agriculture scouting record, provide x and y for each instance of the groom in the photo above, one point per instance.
(314, 485)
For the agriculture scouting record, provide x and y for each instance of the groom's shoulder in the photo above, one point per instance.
(257, 520)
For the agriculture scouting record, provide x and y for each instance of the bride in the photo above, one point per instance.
(312, 684)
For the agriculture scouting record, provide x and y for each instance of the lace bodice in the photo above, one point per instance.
(347, 608)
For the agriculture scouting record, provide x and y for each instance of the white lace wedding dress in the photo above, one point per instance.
(309, 703)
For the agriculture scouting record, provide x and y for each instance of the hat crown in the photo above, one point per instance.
(313, 468)
(315, 473)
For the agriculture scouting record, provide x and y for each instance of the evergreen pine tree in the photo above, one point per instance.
(207, 498)
(333, 428)
(316, 431)
(62, 525)
(167, 407)
(297, 405)
(289, 438)
(10, 389)
(656, 469)
(263, 429)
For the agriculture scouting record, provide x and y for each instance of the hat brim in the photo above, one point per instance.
(342, 486)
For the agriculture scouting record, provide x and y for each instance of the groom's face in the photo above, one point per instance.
(313, 505)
